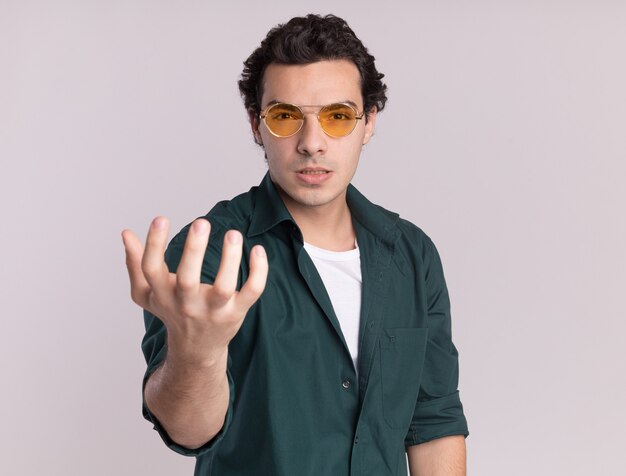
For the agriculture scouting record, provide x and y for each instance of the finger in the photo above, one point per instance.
(139, 287)
(190, 266)
(255, 284)
(225, 282)
(153, 263)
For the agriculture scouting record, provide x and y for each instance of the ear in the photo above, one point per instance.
(369, 125)
(255, 122)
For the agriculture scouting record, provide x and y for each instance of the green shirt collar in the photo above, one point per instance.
(270, 210)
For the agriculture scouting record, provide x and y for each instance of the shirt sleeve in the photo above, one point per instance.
(438, 411)
(154, 345)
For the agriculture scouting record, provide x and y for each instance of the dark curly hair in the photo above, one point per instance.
(304, 40)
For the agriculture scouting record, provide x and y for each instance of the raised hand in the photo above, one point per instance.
(201, 319)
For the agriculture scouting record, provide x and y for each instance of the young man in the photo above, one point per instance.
(310, 333)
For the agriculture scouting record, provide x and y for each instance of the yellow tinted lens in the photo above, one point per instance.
(338, 119)
(283, 119)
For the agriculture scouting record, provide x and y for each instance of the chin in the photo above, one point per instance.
(317, 198)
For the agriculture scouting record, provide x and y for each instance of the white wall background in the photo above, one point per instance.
(504, 139)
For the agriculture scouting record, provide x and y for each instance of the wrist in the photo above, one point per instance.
(184, 361)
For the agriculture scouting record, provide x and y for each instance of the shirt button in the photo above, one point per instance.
(356, 440)
(346, 383)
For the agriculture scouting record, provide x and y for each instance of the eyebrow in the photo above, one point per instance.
(347, 101)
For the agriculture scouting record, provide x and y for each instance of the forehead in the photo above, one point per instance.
(318, 83)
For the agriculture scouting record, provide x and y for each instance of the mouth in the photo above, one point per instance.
(313, 176)
(313, 171)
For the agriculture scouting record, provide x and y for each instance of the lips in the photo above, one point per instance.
(313, 175)
(313, 171)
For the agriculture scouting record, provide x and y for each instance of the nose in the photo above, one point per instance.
(312, 139)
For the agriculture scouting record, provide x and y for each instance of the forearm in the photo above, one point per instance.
(440, 457)
(189, 401)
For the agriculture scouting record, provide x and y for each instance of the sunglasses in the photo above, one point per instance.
(284, 120)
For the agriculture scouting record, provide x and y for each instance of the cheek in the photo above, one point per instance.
(277, 155)
(352, 151)
(269, 144)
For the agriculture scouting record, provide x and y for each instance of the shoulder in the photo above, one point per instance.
(413, 237)
(409, 237)
(233, 214)
(384, 223)
(414, 248)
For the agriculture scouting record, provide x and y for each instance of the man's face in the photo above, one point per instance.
(291, 160)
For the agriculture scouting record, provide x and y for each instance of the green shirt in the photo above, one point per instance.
(297, 407)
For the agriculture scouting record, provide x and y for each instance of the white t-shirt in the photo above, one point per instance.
(341, 273)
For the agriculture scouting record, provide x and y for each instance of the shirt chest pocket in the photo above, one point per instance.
(402, 353)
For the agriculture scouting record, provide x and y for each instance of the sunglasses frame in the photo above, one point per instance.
(357, 117)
